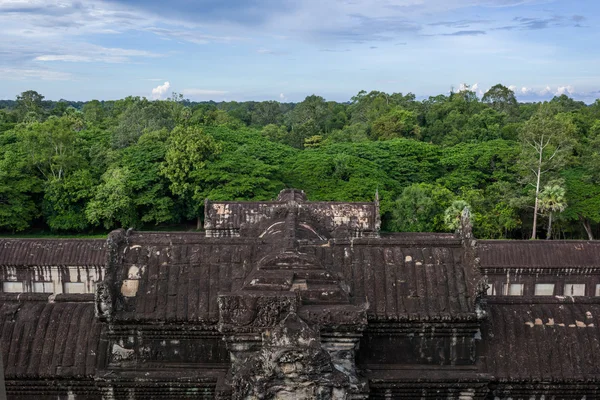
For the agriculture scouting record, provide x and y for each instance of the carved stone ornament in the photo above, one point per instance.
(290, 365)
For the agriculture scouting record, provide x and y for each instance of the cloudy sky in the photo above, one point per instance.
(288, 49)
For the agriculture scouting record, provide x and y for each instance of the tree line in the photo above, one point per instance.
(525, 170)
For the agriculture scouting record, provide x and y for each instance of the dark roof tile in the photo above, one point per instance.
(543, 341)
(49, 340)
(52, 252)
(539, 254)
(181, 279)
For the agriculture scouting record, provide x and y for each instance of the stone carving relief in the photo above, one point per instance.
(291, 364)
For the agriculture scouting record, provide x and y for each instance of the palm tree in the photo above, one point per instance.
(453, 213)
(552, 200)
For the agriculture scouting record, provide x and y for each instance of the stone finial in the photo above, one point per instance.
(377, 226)
(465, 227)
(208, 223)
(296, 195)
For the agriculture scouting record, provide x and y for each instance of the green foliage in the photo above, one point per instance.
(267, 113)
(188, 151)
(327, 175)
(582, 195)
(546, 141)
(8, 120)
(112, 205)
(93, 112)
(350, 133)
(546, 144)
(402, 160)
(501, 99)
(396, 123)
(53, 146)
(551, 202)
(470, 165)
(367, 107)
(30, 106)
(313, 110)
(72, 166)
(65, 201)
(275, 133)
(420, 208)
(313, 141)
(246, 168)
(222, 118)
(151, 195)
(18, 186)
(552, 199)
(494, 209)
(140, 116)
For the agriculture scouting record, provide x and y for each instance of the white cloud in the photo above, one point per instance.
(477, 89)
(31, 73)
(282, 97)
(568, 90)
(463, 87)
(192, 36)
(513, 88)
(271, 52)
(547, 90)
(64, 57)
(202, 92)
(160, 90)
(92, 53)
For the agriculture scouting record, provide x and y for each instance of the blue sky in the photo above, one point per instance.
(287, 49)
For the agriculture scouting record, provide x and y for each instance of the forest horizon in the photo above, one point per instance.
(524, 170)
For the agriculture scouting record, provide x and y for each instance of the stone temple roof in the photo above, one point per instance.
(44, 340)
(52, 252)
(399, 278)
(334, 219)
(278, 296)
(539, 253)
(549, 341)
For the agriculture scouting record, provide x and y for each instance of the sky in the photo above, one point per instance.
(286, 50)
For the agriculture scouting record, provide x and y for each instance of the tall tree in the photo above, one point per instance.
(367, 107)
(312, 109)
(188, 151)
(151, 196)
(501, 99)
(552, 201)
(267, 112)
(546, 142)
(30, 106)
(52, 146)
(93, 112)
(142, 116)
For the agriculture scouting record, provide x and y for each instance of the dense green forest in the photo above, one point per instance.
(88, 167)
